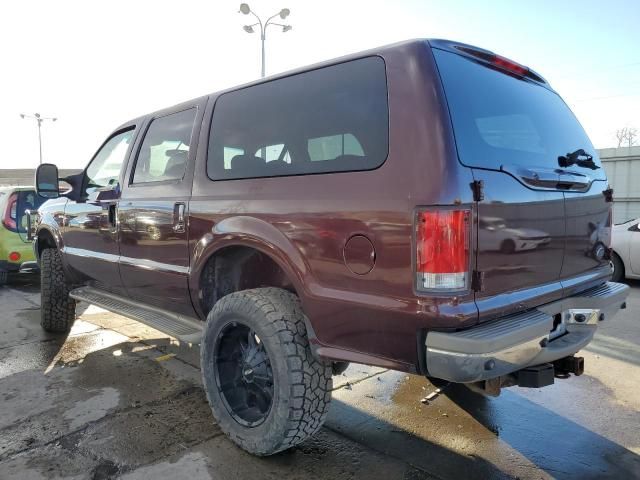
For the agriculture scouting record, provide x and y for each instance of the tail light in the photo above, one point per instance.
(10, 213)
(442, 243)
(14, 257)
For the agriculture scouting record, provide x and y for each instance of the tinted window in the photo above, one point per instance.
(328, 120)
(499, 119)
(107, 164)
(165, 150)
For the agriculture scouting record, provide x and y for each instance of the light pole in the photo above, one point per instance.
(284, 13)
(39, 119)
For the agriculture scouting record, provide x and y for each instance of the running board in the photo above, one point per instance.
(185, 329)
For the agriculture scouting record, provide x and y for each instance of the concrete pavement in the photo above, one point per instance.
(117, 399)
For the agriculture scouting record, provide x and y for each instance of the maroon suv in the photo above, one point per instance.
(428, 206)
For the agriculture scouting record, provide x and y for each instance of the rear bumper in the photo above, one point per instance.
(523, 339)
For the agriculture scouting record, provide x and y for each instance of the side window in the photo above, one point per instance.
(107, 164)
(165, 148)
(334, 146)
(332, 119)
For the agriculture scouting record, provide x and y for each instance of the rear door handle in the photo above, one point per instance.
(545, 178)
(574, 181)
(178, 218)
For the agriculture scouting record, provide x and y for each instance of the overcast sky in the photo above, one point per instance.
(95, 64)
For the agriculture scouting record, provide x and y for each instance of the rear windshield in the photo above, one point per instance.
(500, 120)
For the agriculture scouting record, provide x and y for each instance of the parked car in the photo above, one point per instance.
(626, 250)
(330, 215)
(495, 234)
(15, 249)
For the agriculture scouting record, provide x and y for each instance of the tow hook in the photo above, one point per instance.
(568, 365)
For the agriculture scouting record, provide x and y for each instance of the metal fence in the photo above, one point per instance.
(623, 171)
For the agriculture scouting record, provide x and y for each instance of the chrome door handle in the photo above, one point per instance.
(178, 218)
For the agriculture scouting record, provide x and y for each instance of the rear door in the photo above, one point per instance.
(153, 212)
(540, 227)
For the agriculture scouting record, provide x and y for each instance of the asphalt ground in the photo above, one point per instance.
(116, 399)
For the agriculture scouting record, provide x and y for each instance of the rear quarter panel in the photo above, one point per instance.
(306, 221)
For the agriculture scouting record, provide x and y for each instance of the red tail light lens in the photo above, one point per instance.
(10, 213)
(442, 241)
(14, 257)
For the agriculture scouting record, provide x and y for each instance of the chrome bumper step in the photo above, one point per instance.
(185, 329)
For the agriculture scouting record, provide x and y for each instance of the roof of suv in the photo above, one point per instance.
(457, 47)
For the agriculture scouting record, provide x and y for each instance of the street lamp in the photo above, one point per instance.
(39, 119)
(284, 13)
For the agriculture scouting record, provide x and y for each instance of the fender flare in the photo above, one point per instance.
(246, 231)
(48, 225)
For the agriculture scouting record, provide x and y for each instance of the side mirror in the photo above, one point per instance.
(47, 181)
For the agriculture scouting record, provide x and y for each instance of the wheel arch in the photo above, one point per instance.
(238, 239)
(46, 238)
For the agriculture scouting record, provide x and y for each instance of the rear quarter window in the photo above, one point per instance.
(333, 119)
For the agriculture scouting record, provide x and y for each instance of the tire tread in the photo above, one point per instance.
(57, 309)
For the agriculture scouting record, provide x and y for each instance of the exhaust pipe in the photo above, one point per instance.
(568, 365)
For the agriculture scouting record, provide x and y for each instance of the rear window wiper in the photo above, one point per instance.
(580, 158)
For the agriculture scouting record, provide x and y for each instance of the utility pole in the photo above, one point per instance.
(284, 13)
(39, 119)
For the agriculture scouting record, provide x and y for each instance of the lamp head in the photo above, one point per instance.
(286, 28)
(284, 13)
(248, 28)
(244, 8)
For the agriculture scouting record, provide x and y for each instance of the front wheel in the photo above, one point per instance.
(265, 388)
(57, 308)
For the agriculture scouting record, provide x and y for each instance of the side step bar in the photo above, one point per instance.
(185, 329)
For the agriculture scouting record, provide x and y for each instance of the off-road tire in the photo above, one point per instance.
(302, 383)
(4, 277)
(618, 268)
(57, 309)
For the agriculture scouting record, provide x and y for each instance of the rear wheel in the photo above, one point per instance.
(618, 268)
(57, 308)
(265, 388)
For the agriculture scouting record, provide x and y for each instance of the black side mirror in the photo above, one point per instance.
(47, 181)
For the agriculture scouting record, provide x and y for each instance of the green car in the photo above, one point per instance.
(16, 251)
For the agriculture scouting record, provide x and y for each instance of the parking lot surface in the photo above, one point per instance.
(115, 398)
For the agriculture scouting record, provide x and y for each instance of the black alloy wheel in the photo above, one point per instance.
(243, 374)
